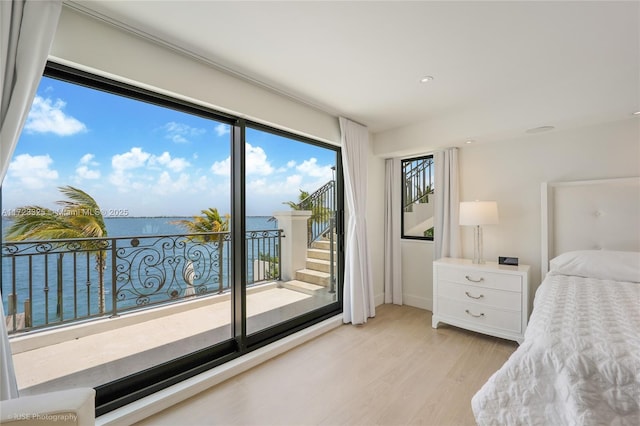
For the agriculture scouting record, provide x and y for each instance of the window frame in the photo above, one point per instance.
(403, 193)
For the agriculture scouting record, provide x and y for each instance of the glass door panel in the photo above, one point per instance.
(290, 239)
(116, 248)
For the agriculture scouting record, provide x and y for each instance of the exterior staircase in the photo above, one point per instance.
(315, 278)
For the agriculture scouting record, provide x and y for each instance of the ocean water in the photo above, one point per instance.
(81, 300)
(134, 226)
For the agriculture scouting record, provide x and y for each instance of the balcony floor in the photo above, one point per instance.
(139, 340)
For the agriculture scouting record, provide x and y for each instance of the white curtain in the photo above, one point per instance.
(446, 214)
(27, 29)
(392, 249)
(359, 302)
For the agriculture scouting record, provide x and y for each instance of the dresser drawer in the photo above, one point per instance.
(488, 298)
(479, 315)
(484, 296)
(481, 278)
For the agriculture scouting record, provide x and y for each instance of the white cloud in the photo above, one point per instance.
(222, 168)
(47, 116)
(285, 185)
(121, 180)
(256, 160)
(123, 165)
(83, 172)
(127, 182)
(174, 164)
(256, 163)
(311, 168)
(143, 171)
(88, 160)
(179, 132)
(33, 172)
(266, 195)
(166, 185)
(222, 129)
(293, 181)
(133, 159)
(288, 187)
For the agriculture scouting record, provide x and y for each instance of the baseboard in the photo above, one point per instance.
(379, 299)
(410, 300)
(418, 301)
(148, 406)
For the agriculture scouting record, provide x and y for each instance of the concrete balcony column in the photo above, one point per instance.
(293, 253)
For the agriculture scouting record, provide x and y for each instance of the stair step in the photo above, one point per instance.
(322, 244)
(313, 277)
(314, 253)
(318, 265)
(303, 287)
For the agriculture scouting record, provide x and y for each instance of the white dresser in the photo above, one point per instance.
(488, 298)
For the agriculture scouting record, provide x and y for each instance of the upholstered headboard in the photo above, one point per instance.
(591, 214)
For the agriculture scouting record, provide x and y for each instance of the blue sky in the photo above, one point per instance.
(142, 160)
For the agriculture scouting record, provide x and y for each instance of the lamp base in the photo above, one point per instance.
(477, 246)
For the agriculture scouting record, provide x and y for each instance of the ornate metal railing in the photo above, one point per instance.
(417, 181)
(322, 204)
(47, 283)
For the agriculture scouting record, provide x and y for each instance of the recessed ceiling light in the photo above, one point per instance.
(426, 79)
(637, 113)
(469, 141)
(540, 129)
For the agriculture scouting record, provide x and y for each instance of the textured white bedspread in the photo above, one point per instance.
(579, 363)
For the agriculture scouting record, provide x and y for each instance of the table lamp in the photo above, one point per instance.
(478, 213)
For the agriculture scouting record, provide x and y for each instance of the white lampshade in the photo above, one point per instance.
(478, 213)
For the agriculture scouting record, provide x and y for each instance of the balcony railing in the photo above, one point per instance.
(322, 204)
(418, 176)
(48, 283)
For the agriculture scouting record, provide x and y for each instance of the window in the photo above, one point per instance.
(417, 198)
(189, 254)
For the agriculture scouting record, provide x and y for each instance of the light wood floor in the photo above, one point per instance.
(395, 370)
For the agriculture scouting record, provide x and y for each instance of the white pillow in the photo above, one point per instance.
(601, 264)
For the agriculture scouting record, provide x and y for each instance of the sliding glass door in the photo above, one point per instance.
(147, 239)
(291, 233)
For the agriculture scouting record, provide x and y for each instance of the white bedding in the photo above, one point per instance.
(579, 363)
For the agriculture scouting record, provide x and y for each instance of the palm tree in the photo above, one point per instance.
(80, 217)
(209, 221)
(297, 205)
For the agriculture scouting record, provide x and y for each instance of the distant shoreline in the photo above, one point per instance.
(164, 217)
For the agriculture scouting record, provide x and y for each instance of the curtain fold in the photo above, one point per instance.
(359, 300)
(446, 212)
(392, 223)
(27, 29)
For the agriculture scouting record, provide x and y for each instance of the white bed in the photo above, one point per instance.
(580, 359)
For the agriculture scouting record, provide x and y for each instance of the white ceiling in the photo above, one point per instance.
(499, 68)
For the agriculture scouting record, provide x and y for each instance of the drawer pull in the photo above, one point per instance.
(472, 280)
(474, 297)
(475, 316)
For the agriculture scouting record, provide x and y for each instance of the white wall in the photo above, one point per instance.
(417, 270)
(511, 173)
(98, 47)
